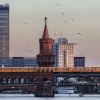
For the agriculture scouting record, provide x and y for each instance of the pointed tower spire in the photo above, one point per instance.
(45, 33)
(45, 58)
(61, 35)
(55, 35)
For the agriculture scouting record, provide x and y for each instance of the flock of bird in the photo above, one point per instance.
(25, 23)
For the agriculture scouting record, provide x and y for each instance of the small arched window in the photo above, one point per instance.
(41, 47)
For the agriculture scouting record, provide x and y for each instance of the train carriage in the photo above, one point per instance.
(95, 69)
(50, 69)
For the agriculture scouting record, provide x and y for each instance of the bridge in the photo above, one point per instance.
(40, 80)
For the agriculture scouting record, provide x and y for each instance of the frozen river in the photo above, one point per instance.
(57, 97)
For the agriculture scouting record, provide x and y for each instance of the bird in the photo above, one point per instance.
(63, 13)
(72, 19)
(33, 30)
(59, 4)
(79, 33)
(66, 21)
(24, 22)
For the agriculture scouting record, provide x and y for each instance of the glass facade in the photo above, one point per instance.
(79, 61)
(19, 62)
(63, 52)
(4, 31)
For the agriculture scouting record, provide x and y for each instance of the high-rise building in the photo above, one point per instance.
(79, 61)
(64, 52)
(4, 31)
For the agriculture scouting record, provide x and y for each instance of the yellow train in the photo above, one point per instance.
(54, 69)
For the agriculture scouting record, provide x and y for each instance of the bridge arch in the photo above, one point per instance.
(22, 80)
(27, 80)
(82, 77)
(73, 76)
(3, 80)
(34, 79)
(16, 81)
(44, 79)
(9, 81)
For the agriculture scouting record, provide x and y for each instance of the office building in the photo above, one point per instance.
(4, 31)
(79, 61)
(64, 52)
(19, 62)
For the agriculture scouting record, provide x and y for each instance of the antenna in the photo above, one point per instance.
(55, 35)
(61, 35)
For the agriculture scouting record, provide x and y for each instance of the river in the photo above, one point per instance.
(57, 97)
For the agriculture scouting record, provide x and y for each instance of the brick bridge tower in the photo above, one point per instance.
(45, 58)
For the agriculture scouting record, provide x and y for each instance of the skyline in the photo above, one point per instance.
(68, 16)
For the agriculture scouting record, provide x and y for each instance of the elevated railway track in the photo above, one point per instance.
(52, 69)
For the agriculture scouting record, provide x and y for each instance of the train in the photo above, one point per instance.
(50, 69)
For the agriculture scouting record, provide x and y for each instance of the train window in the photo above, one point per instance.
(63, 68)
(56, 68)
(75, 68)
(11, 68)
(19, 68)
(71, 68)
(52, 68)
(15, 68)
(24, 68)
(6, 68)
(43, 68)
(67, 68)
(33, 68)
(98, 68)
(79, 68)
(28, 68)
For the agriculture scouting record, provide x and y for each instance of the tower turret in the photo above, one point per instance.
(45, 58)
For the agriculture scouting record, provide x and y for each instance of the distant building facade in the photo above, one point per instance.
(79, 61)
(19, 62)
(64, 53)
(4, 31)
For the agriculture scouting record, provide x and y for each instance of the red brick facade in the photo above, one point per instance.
(45, 58)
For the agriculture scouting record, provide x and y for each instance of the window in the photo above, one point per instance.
(41, 47)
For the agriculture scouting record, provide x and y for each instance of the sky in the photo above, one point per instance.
(70, 17)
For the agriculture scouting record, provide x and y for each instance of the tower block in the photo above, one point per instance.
(45, 58)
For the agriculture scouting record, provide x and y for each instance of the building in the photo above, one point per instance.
(79, 61)
(19, 62)
(45, 58)
(64, 52)
(4, 31)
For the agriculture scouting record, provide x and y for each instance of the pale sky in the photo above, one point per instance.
(27, 25)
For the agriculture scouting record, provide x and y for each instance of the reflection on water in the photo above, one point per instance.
(57, 97)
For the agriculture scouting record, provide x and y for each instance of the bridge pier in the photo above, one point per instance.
(44, 89)
(44, 84)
